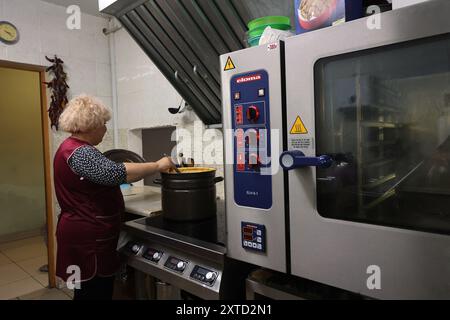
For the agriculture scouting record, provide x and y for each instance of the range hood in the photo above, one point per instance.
(184, 39)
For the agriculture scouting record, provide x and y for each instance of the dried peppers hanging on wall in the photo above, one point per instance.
(59, 90)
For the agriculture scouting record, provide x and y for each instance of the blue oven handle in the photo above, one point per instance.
(296, 159)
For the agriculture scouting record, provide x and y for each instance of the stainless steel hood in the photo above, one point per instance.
(184, 38)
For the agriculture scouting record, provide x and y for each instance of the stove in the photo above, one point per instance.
(187, 255)
(210, 230)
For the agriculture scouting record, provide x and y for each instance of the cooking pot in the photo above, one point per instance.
(189, 195)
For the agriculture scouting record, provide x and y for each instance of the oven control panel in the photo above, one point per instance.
(253, 236)
(176, 264)
(153, 255)
(204, 275)
(252, 143)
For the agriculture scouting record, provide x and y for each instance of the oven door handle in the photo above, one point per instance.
(290, 160)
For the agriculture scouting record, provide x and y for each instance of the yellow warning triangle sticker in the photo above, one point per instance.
(299, 127)
(229, 65)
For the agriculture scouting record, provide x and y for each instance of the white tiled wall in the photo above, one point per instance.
(43, 31)
(144, 95)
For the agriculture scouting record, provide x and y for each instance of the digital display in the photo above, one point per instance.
(248, 230)
(248, 237)
(253, 237)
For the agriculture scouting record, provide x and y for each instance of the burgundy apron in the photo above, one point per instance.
(89, 225)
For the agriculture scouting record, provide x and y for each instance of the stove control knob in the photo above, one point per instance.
(210, 276)
(156, 256)
(135, 248)
(252, 113)
(181, 265)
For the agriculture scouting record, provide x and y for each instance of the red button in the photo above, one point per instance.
(239, 115)
(241, 162)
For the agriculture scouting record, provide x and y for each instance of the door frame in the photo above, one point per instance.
(46, 139)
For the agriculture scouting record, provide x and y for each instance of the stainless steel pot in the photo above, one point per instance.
(189, 195)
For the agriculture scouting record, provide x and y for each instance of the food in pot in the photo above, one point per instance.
(192, 170)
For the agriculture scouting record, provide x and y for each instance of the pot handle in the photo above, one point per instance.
(217, 179)
(157, 181)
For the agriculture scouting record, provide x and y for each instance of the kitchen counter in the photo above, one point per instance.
(142, 200)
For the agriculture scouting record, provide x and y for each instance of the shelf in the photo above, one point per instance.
(369, 107)
(380, 181)
(377, 163)
(381, 199)
(378, 144)
(376, 124)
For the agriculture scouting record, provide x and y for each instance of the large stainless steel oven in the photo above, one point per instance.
(367, 156)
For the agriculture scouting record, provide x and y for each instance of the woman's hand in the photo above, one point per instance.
(138, 171)
(165, 164)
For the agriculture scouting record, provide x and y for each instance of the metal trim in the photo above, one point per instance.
(175, 279)
(252, 287)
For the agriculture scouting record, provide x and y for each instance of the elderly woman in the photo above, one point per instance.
(87, 186)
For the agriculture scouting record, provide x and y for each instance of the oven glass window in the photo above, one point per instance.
(384, 116)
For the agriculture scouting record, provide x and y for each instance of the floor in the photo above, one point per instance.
(20, 277)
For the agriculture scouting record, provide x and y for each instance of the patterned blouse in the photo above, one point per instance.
(91, 164)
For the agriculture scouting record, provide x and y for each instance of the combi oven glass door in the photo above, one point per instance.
(383, 114)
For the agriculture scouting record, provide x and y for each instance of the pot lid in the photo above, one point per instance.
(121, 155)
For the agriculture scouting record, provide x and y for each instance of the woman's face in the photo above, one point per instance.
(98, 134)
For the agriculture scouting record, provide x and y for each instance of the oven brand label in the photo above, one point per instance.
(251, 78)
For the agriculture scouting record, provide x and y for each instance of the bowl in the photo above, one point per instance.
(311, 23)
(276, 22)
(256, 27)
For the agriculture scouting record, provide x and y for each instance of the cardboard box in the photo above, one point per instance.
(316, 14)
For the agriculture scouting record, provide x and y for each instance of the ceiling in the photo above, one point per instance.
(87, 6)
